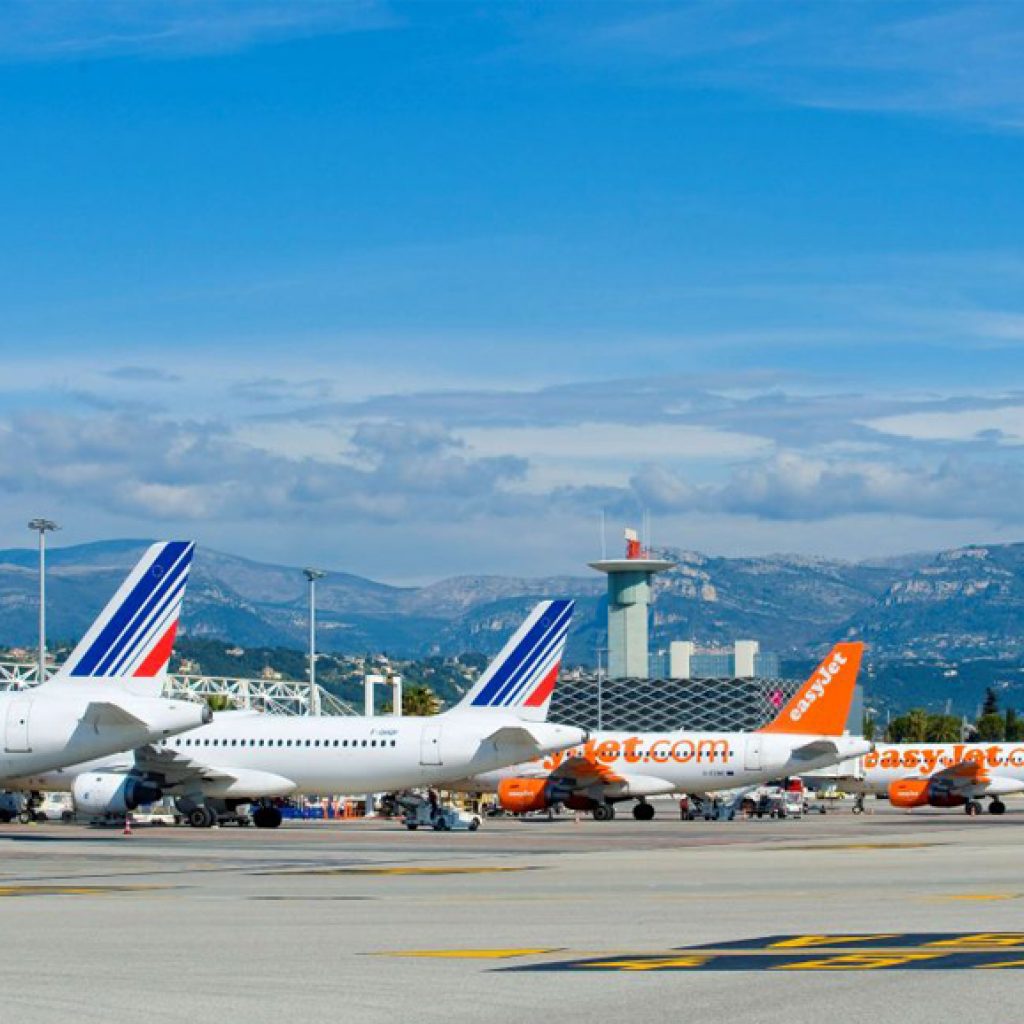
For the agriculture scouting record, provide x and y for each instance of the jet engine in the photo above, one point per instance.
(112, 793)
(922, 793)
(522, 795)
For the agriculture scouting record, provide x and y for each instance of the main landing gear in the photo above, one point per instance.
(997, 807)
(643, 811)
(973, 807)
(202, 816)
(604, 812)
(267, 817)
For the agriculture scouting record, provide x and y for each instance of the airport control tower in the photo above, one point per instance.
(629, 594)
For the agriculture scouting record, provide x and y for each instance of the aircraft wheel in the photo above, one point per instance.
(267, 817)
(997, 807)
(643, 811)
(604, 812)
(201, 817)
(412, 826)
(26, 817)
(972, 807)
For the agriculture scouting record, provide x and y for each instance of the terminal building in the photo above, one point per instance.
(685, 687)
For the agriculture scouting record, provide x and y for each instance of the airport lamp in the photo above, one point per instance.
(314, 694)
(42, 526)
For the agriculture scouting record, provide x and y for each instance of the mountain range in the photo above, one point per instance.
(963, 603)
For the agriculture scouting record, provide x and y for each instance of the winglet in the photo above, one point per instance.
(522, 677)
(131, 640)
(821, 706)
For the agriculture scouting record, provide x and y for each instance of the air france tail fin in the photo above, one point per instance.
(822, 705)
(522, 677)
(131, 641)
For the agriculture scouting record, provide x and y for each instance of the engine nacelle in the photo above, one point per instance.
(522, 795)
(112, 793)
(922, 793)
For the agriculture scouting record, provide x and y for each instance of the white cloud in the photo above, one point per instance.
(1004, 425)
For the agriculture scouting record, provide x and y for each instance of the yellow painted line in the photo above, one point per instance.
(816, 941)
(998, 964)
(981, 940)
(858, 961)
(652, 964)
(72, 890)
(844, 847)
(981, 896)
(468, 954)
(399, 871)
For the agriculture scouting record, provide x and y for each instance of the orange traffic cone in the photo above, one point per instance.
(127, 825)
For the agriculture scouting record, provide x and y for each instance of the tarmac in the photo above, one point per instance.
(888, 916)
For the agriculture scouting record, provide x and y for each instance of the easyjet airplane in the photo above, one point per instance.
(614, 766)
(942, 774)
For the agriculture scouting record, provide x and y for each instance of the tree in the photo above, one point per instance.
(991, 728)
(990, 706)
(943, 729)
(420, 701)
(909, 728)
(869, 726)
(219, 702)
(1014, 726)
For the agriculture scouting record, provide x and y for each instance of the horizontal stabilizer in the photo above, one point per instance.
(815, 751)
(106, 714)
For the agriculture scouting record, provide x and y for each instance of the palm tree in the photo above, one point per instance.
(420, 701)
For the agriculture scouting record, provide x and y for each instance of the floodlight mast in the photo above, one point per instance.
(42, 527)
(314, 694)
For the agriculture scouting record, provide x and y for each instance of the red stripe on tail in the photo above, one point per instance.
(160, 655)
(543, 691)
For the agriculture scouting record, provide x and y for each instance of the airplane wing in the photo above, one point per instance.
(584, 772)
(964, 776)
(173, 768)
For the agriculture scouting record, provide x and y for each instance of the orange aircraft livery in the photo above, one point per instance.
(807, 733)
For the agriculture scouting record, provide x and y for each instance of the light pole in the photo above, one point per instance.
(314, 694)
(43, 526)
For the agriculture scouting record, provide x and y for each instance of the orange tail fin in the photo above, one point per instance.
(822, 705)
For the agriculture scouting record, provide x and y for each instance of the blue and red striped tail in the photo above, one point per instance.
(133, 637)
(522, 677)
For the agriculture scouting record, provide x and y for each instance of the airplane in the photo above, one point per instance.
(941, 774)
(106, 695)
(248, 757)
(615, 766)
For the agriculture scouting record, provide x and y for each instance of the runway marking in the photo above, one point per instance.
(883, 951)
(468, 954)
(858, 847)
(72, 890)
(981, 896)
(415, 871)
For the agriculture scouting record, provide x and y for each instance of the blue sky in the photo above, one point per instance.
(419, 289)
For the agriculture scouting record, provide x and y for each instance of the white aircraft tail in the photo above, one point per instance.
(130, 643)
(521, 679)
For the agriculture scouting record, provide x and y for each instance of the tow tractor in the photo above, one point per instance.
(422, 812)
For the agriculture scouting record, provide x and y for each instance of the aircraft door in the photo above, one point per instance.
(16, 738)
(752, 756)
(430, 745)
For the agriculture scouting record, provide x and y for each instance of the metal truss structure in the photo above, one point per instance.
(657, 705)
(274, 696)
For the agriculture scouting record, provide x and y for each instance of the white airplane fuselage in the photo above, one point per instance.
(649, 764)
(249, 755)
(63, 723)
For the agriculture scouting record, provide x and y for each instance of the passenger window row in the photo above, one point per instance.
(207, 742)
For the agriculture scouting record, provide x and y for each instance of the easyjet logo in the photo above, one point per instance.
(817, 685)
(927, 760)
(645, 749)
